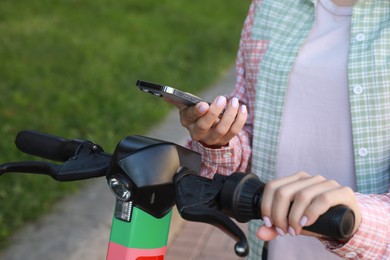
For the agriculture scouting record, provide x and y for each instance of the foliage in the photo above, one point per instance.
(69, 67)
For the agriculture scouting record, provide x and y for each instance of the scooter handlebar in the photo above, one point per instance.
(47, 146)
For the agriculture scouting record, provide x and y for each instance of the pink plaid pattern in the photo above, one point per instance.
(236, 156)
(372, 239)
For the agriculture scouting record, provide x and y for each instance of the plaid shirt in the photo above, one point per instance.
(272, 35)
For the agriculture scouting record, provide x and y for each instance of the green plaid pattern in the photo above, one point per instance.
(286, 24)
(277, 22)
(369, 67)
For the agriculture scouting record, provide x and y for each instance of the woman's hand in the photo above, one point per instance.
(213, 125)
(309, 197)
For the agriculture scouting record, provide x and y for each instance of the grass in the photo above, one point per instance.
(69, 67)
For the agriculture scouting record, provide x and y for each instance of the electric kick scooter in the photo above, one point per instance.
(148, 177)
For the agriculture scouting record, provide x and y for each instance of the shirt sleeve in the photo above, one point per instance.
(235, 156)
(225, 160)
(372, 239)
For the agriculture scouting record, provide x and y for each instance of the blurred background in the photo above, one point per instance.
(69, 67)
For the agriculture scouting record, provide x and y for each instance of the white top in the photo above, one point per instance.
(316, 133)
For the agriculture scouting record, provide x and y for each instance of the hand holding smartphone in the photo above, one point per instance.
(211, 116)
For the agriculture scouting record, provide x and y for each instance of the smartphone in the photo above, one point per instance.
(168, 92)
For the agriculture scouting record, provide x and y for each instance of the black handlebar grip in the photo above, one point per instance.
(241, 199)
(47, 146)
(337, 223)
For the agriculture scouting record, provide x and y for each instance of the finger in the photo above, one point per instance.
(200, 109)
(238, 124)
(309, 189)
(204, 123)
(266, 234)
(189, 114)
(215, 110)
(284, 202)
(221, 133)
(267, 201)
(223, 124)
(324, 201)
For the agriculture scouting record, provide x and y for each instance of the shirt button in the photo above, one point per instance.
(358, 89)
(363, 152)
(350, 255)
(360, 37)
(227, 155)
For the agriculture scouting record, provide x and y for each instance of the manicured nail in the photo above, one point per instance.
(267, 222)
(280, 232)
(235, 102)
(243, 109)
(202, 108)
(221, 101)
(291, 231)
(303, 221)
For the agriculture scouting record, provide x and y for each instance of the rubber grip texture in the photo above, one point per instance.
(47, 146)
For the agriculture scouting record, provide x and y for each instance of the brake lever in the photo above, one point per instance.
(46, 168)
(197, 199)
(89, 161)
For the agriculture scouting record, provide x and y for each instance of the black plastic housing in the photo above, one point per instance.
(149, 166)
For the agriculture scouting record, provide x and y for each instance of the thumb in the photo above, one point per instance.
(189, 114)
(201, 108)
(266, 234)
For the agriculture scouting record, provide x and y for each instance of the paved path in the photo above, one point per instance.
(79, 226)
(197, 241)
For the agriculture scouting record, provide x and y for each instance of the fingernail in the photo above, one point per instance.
(221, 101)
(202, 108)
(267, 222)
(303, 221)
(243, 109)
(291, 231)
(235, 102)
(280, 232)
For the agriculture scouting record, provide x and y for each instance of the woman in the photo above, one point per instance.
(312, 97)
